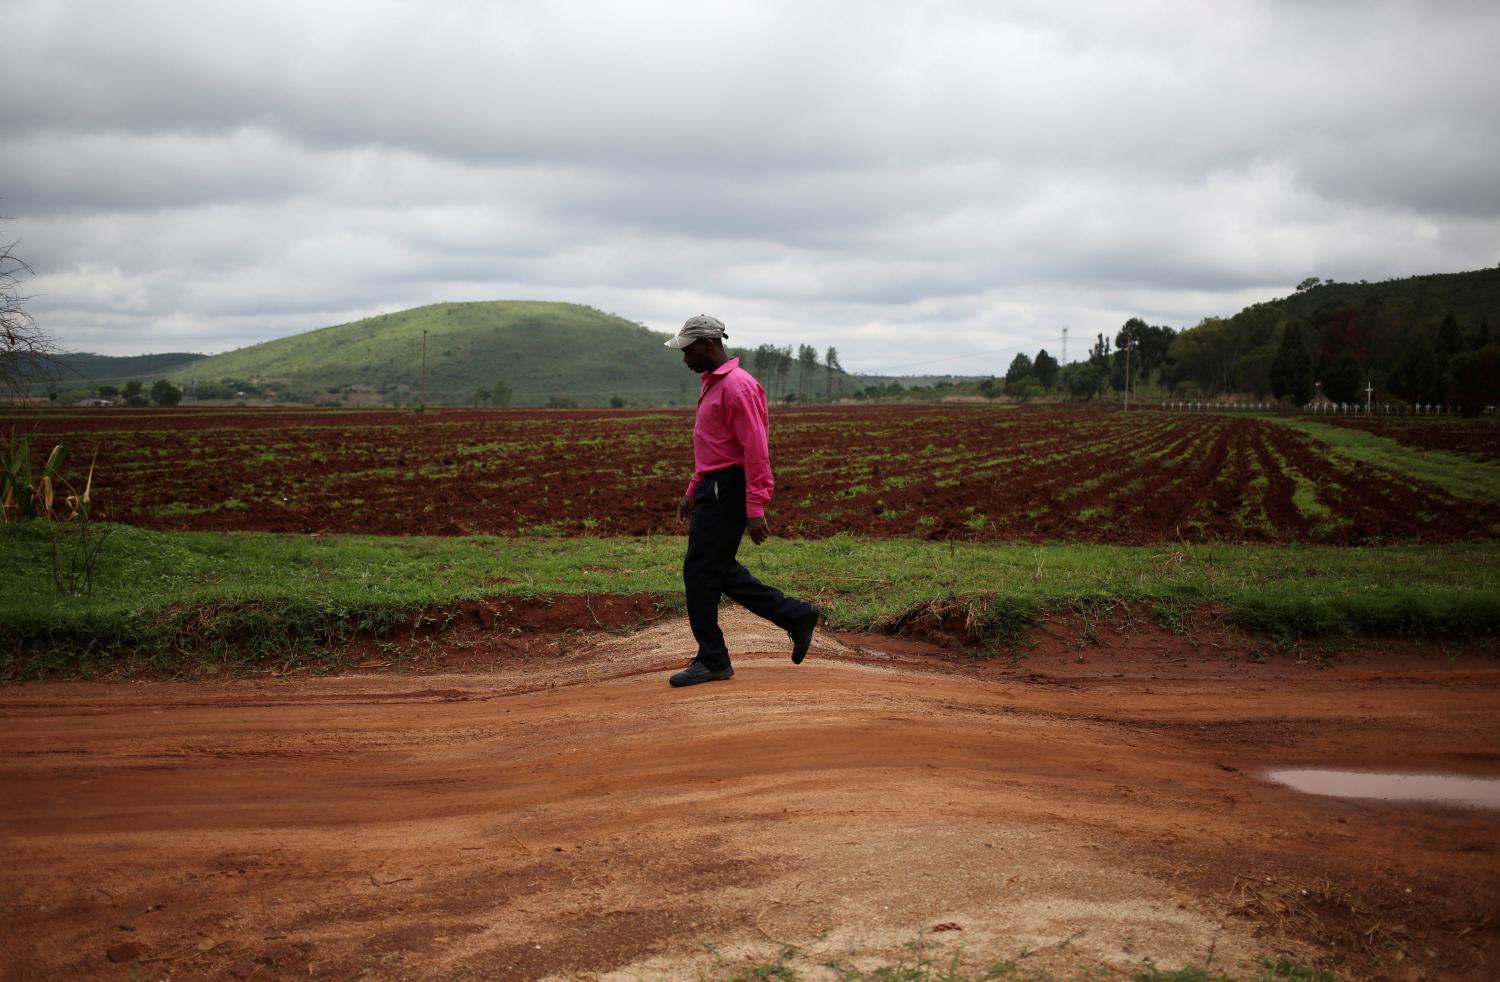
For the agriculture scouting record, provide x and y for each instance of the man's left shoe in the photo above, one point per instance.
(802, 635)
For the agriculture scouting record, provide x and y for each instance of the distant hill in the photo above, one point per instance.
(86, 369)
(1416, 302)
(542, 351)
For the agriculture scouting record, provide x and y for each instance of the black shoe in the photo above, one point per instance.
(803, 634)
(699, 672)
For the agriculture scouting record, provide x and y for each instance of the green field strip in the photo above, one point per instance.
(175, 598)
(1472, 480)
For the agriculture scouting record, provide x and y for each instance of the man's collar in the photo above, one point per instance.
(726, 368)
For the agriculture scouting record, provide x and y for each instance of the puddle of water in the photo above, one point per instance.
(1446, 789)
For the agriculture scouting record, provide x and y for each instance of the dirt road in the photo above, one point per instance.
(570, 815)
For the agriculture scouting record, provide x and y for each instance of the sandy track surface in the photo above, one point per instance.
(572, 816)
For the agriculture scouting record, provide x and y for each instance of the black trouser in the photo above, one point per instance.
(711, 571)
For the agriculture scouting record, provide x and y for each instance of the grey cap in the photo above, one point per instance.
(702, 326)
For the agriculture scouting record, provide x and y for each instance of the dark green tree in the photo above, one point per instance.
(1252, 371)
(1482, 336)
(1045, 369)
(1206, 355)
(834, 369)
(1449, 342)
(108, 392)
(1344, 379)
(1415, 377)
(1291, 369)
(1099, 353)
(164, 393)
(1020, 367)
(134, 393)
(1082, 380)
(1023, 388)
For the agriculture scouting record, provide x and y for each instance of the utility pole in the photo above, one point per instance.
(1065, 344)
(1129, 343)
(1369, 391)
(424, 368)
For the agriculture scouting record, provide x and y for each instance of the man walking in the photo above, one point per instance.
(727, 497)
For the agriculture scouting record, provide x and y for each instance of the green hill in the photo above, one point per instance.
(542, 351)
(79, 374)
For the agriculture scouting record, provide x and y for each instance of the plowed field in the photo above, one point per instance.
(942, 472)
(1475, 438)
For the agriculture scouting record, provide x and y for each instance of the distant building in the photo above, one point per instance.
(93, 402)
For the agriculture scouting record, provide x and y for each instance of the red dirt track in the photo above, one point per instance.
(1084, 810)
(940, 472)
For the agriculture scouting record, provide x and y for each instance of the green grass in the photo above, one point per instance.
(177, 598)
(1472, 480)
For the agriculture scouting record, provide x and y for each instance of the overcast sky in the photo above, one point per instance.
(928, 186)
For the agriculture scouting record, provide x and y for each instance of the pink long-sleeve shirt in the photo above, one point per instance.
(732, 429)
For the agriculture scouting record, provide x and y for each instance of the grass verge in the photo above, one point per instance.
(1471, 480)
(173, 599)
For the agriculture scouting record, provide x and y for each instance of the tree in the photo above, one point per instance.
(1449, 342)
(1342, 381)
(1482, 337)
(783, 366)
(765, 361)
(1099, 353)
(1415, 377)
(1023, 388)
(1252, 371)
(1291, 369)
(988, 388)
(108, 392)
(1045, 369)
(1020, 367)
(500, 393)
(134, 396)
(1308, 284)
(164, 393)
(25, 350)
(1082, 379)
(1205, 354)
(481, 396)
(1130, 340)
(1474, 379)
(807, 358)
(831, 363)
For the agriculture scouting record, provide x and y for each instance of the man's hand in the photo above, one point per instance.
(685, 508)
(758, 529)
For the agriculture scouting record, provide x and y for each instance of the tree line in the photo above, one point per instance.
(774, 369)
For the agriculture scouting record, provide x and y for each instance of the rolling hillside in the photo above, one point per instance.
(542, 351)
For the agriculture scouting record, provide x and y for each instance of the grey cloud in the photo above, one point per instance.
(884, 171)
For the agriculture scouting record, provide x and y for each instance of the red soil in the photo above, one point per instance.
(1477, 438)
(562, 811)
(942, 472)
